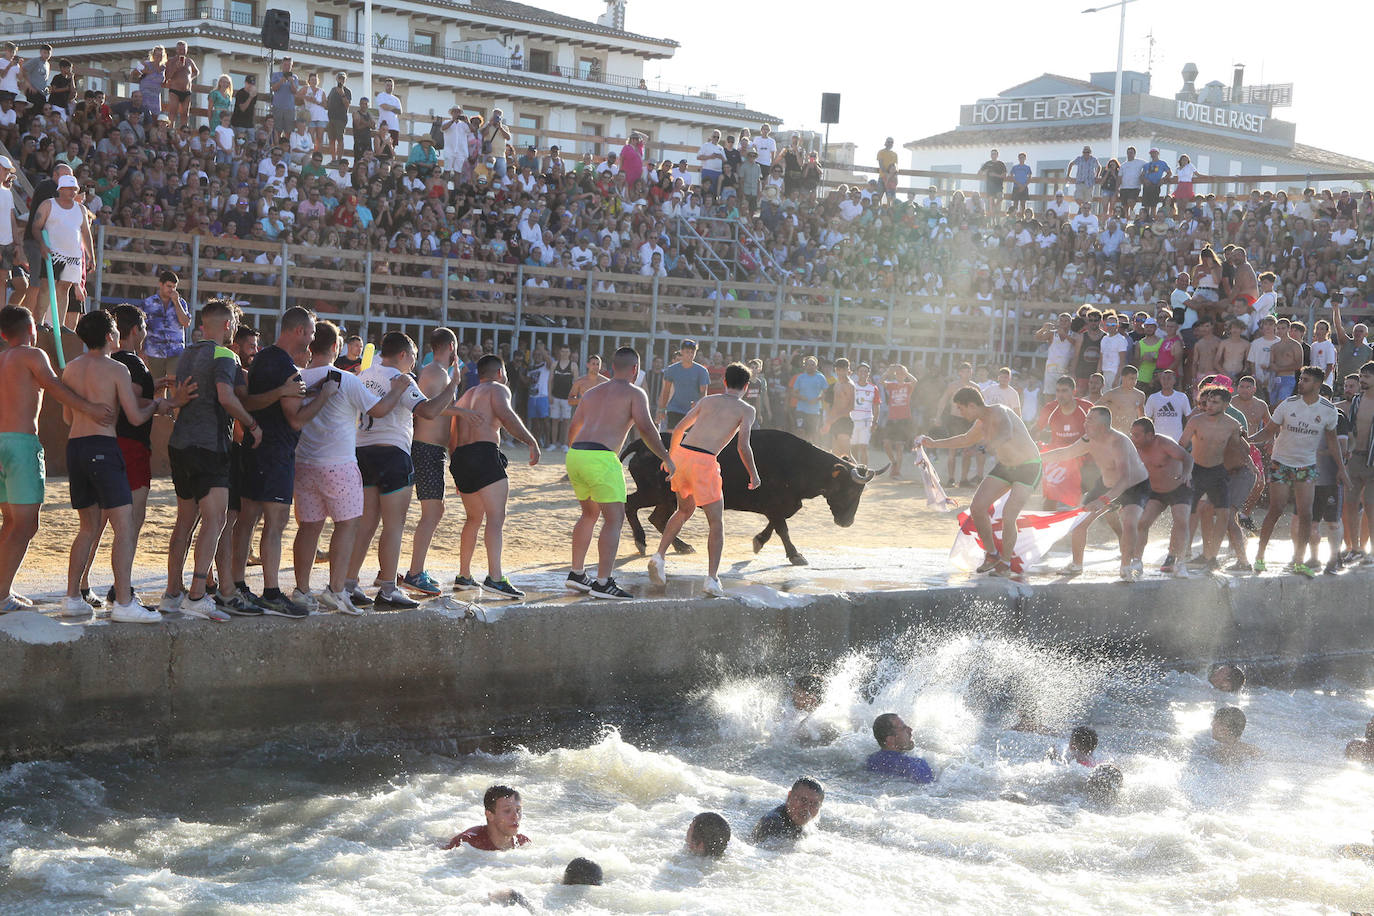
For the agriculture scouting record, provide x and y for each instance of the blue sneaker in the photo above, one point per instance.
(421, 582)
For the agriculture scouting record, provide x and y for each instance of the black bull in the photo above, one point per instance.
(790, 470)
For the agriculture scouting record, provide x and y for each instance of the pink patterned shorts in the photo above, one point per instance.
(335, 491)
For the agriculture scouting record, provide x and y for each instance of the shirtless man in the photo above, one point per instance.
(710, 424)
(1126, 402)
(1212, 435)
(999, 430)
(95, 465)
(1169, 468)
(1256, 414)
(599, 426)
(584, 383)
(1244, 283)
(1285, 359)
(479, 472)
(952, 424)
(25, 374)
(839, 424)
(1297, 425)
(428, 451)
(179, 77)
(1125, 483)
(1203, 360)
(1233, 350)
(1359, 497)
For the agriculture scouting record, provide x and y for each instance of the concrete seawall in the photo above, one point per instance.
(428, 673)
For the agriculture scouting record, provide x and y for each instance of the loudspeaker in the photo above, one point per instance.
(830, 108)
(276, 30)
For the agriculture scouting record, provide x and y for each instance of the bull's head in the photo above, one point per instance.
(847, 482)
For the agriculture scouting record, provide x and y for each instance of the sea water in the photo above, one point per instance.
(358, 830)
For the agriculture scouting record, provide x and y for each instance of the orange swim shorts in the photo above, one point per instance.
(698, 476)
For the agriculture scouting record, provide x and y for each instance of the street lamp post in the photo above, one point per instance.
(1120, 55)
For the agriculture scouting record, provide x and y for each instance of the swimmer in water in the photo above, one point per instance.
(786, 821)
(1227, 677)
(1228, 724)
(894, 739)
(807, 693)
(583, 871)
(1104, 785)
(1082, 744)
(708, 835)
(501, 804)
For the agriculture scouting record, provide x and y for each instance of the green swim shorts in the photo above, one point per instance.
(21, 469)
(596, 474)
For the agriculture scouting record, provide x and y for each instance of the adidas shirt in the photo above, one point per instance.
(1168, 413)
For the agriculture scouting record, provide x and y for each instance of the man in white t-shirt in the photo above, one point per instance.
(456, 136)
(766, 147)
(389, 109)
(328, 483)
(1324, 352)
(1113, 346)
(711, 157)
(1258, 357)
(1299, 425)
(1131, 170)
(383, 451)
(1168, 408)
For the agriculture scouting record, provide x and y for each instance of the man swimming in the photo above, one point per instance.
(787, 821)
(598, 430)
(1001, 431)
(501, 805)
(479, 472)
(710, 425)
(895, 739)
(1228, 724)
(708, 835)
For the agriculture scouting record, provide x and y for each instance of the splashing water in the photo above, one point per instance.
(284, 830)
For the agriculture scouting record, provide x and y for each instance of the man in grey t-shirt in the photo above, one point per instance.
(683, 384)
(284, 86)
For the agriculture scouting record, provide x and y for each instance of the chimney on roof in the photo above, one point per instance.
(1237, 84)
(614, 17)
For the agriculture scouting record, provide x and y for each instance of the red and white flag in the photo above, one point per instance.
(1036, 533)
(936, 498)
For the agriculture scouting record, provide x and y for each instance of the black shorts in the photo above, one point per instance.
(197, 471)
(1326, 503)
(95, 468)
(1128, 195)
(843, 426)
(1213, 483)
(235, 477)
(182, 95)
(477, 465)
(428, 460)
(1137, 495)
(385, 467)
(900, 432)
(1027, 473)
(269, 474)
(1020, 193)
(1181, 495)
(1149, 194)
(335, 130)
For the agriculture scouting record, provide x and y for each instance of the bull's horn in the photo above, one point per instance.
(860, 474)
(882, 470)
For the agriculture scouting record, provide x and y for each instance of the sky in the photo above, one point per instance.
(904, 69)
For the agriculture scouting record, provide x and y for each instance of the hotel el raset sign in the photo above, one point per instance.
(1092, 106)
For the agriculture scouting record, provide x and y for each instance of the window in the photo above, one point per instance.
(243, 12)
(423, 43)
(539, 61)
(588, 68)
(203, 9)
(592, 130)
(148, 10)
(323, 25)
(55, 19)
(527, 131)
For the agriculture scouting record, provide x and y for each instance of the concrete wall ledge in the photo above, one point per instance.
(191, 684)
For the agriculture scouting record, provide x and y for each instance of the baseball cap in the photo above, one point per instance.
(67, 181)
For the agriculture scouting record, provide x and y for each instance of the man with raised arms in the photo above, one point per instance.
(25, 374)
(709, 425)
(328, 483)
(1211, 436)
(598, 430)
(1169, 468)
(95, 464)
(479, 472)
(1125, 484)
(1000, 430)
(1299, 423)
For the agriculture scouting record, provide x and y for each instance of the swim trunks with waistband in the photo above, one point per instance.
(697, 476)
(1027, 473)
(595, 473)
(478, 465)
(21, 469)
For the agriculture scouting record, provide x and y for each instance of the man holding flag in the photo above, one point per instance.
(999, 430)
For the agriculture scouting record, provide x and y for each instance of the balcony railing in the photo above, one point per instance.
(28, 31)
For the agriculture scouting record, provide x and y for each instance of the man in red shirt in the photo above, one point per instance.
(1063, 419)
(898, 432)
(501, 805)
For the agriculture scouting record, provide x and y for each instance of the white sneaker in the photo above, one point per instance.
(134, 613)
(714, 588)
(74, 607)
(1181, 571)
(170, 603)
(1073, 569)
(339, 603)
(306, 600)
(203, 607)
(656, 571)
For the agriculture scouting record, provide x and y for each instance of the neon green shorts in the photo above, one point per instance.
(21, 469)
(596, 475)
